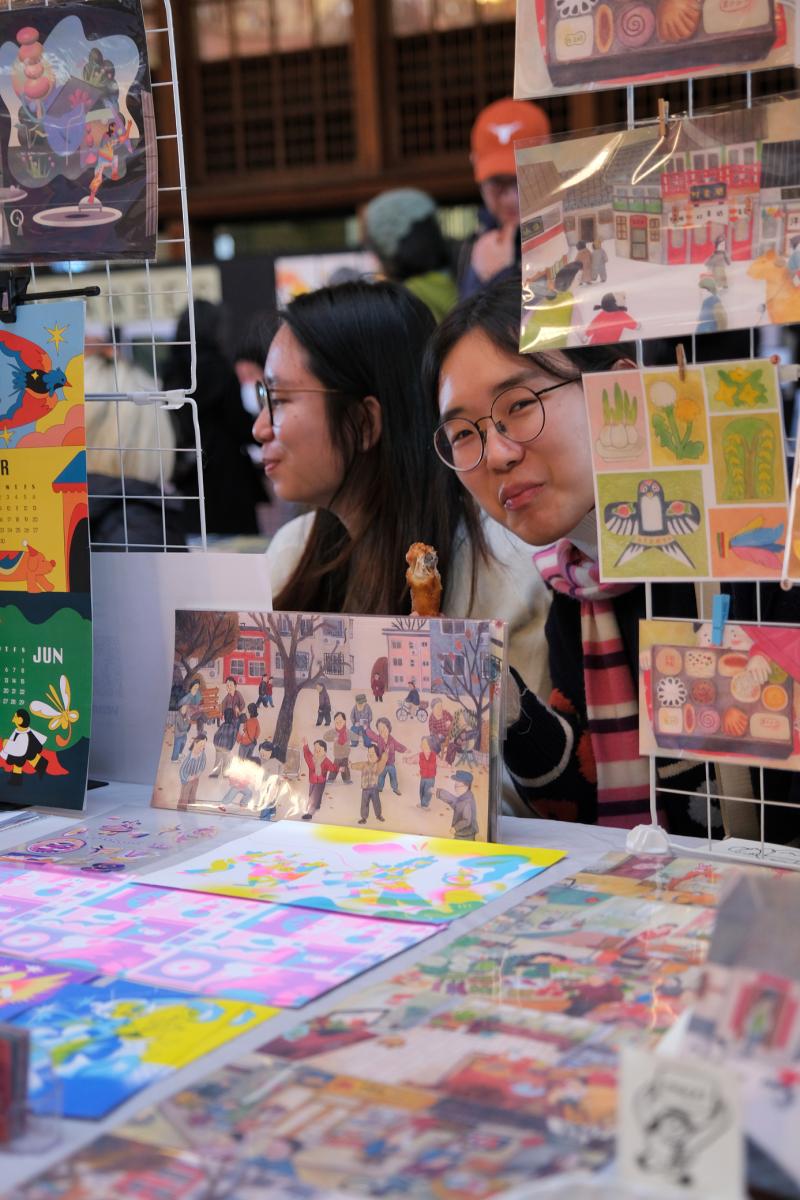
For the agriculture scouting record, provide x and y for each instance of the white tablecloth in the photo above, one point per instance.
(584, 845)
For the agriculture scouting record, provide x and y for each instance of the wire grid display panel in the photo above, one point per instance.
(134, 319)
(742, 814)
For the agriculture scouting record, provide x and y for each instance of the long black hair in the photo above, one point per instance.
(367, 339)
(495, 312)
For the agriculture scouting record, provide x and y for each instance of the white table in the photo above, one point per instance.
(584, 844)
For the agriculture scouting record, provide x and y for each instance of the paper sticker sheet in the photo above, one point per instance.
(215, 945)
(740, 699)
(77, 134)
(105, 1041)
(119, 844)
(628, 235)
(377, 721)
(396, 876)
(564, 47)
(690, 471)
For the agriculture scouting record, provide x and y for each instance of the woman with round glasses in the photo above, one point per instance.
(344, 428)
(513, 430)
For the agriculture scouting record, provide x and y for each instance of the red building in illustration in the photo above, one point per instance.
(251, 658)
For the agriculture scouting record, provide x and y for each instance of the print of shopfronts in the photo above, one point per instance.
(779, 207)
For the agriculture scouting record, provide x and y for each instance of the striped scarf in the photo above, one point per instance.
(612, 704)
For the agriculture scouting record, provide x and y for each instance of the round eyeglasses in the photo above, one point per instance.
(516, 413)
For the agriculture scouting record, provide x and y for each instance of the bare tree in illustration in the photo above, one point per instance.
(469, 682)
(300, 630)
(204, 637)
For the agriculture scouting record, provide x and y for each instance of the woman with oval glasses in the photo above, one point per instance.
(513, 429)
(344, 429)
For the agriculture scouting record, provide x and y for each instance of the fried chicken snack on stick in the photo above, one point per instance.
(424, 580)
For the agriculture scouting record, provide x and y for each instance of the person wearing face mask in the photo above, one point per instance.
(512, 428)
(493, 253)
(343, 430)
(231, 483)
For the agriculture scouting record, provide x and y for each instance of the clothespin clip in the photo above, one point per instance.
(719, 615)
(663, 117)
(680, 358)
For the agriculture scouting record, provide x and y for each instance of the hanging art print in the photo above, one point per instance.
(390, 722)
(77, 134)
(690, 471)
(631, 234)
(740, 699)
(562, 45)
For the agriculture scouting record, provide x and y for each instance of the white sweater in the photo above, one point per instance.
(508, 589)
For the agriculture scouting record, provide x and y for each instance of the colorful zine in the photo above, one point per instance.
(104, 845)
(77, 134)
(690, 471)
(107, 1040)
(389, 721)
(561, 47)
(24, 984)
(396, 876)
(740, 699)
(215, 945)
(628, 234)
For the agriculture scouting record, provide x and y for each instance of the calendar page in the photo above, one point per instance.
(45, 688)
(45, 608)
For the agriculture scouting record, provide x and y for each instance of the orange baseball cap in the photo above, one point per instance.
(496, 129)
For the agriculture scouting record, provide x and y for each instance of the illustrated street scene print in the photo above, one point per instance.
(388, 722)
(77, 134)
(690, 471)
(632, 235)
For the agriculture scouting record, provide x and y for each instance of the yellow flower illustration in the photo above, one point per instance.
(748, 395)
(687, 409)
(725, 393)
(739, 374)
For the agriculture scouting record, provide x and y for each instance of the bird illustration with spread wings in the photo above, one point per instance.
(34, 387)
(652, 523)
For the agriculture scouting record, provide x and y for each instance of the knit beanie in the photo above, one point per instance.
(390, 216)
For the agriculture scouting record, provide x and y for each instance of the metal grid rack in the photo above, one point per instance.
(133, 319)
(743, 814)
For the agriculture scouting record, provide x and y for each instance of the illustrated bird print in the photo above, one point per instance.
(652, 523)
(34, 387)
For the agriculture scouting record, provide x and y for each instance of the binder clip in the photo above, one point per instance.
(719, 615)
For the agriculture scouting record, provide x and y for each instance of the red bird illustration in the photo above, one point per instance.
(34, 383)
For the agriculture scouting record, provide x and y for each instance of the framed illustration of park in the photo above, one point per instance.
(386, 722)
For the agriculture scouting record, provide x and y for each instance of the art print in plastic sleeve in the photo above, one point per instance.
(569, 45)
(740, 699)
(690, 471)
(385, 722)
(77, 134)
(626, 234)
(791, 562)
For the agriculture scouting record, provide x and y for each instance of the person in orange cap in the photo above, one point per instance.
(493, 252)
